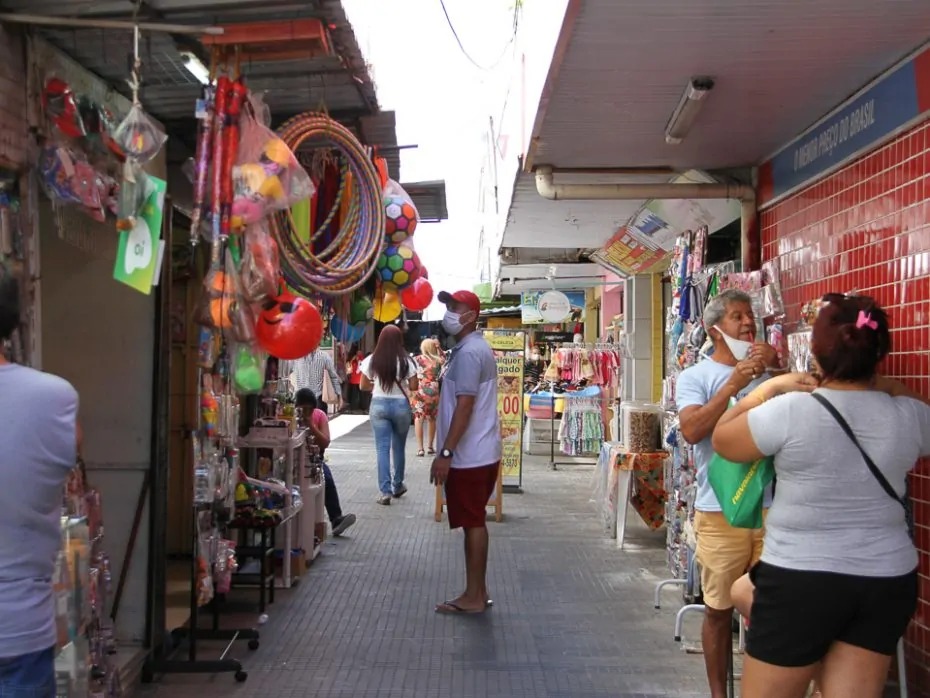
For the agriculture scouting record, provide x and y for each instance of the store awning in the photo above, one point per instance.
(329, 75)
(619, 70)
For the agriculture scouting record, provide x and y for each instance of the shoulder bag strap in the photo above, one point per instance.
(876, 473)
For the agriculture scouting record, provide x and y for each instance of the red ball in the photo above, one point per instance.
(418, 295)
(289, 327)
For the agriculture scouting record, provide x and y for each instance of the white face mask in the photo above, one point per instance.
(452, 323)
(738, 347)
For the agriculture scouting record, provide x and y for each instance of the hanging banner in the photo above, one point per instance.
(509, 351)
(141, 250)
(626, 254)
(552, 307)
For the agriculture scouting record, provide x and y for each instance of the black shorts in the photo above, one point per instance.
(797, 615)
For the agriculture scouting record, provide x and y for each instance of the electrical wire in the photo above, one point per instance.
(513, 36)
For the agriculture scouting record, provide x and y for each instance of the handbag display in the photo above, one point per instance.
(904, 501)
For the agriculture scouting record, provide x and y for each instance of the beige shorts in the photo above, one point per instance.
(725, 554)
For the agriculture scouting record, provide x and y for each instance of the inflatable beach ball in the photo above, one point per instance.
(401, 219)
(398, 267)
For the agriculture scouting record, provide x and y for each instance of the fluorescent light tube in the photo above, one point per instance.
(195, 67)
(685, 114)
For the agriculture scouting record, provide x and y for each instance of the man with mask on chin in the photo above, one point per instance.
(469, 439)
(738, 364)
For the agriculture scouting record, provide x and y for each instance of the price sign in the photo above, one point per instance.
(510, 362)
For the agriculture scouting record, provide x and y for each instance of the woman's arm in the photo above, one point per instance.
(367, 385)
(732, 438)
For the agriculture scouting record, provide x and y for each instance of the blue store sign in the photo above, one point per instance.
(889, 105)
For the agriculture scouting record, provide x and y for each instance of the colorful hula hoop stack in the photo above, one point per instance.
(349, 259)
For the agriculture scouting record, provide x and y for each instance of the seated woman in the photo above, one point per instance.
(837, 582)
(317, 422)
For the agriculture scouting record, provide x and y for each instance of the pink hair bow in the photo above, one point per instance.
(865, 320)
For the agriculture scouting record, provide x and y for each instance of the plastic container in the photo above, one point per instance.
(641, 426)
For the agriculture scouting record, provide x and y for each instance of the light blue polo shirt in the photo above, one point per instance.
(37, 451)
(471, 370)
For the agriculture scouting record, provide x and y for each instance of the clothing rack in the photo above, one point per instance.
(553, 435)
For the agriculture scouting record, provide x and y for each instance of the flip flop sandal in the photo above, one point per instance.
(420, 453)
(431, 452)
(450, 608)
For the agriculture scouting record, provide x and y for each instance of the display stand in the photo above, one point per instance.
(295, 457)
(616, 467)
(193, 634)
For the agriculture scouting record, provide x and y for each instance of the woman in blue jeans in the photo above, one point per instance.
(391, 377)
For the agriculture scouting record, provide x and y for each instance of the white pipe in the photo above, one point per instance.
(745, 193)
(634, 192)
(109, 24)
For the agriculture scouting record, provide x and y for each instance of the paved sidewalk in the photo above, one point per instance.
(573, 617)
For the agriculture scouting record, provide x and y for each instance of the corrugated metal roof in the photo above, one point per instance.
(778, 66)
(341, 83)
(430, 200)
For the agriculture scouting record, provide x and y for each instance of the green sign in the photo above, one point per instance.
(140, 250)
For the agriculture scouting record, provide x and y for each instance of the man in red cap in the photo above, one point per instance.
(468, 432)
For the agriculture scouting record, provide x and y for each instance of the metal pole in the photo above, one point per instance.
(44, 20)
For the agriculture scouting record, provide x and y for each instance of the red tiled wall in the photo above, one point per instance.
(13, 132)
(866, 228)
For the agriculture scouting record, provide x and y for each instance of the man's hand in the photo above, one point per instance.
(764, 352)
(745, 372)
(439, 471)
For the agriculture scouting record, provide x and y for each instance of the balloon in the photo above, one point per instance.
(345, 332)
(387, 307)
(360, 310)
(289, 327)
(418, 295)
(424, 274)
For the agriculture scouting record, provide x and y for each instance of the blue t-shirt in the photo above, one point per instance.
(696, 386)
(38, 448)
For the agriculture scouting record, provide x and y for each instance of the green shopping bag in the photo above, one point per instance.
(740, 488)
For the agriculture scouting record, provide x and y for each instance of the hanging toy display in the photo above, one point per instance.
(346, 332)
(60, 105)
(289, 327)
(344, 260)
(360, 310)
(401, 214)
(205, 115)
(139, 136)
(387, 307)
(248, 370)
(417, 296)
(398, 267)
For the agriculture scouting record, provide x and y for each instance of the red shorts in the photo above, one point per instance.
(467, 493)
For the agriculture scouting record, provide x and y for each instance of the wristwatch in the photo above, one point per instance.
(445, 453)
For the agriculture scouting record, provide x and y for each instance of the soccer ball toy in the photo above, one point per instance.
(401, 219)
(398, 267)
